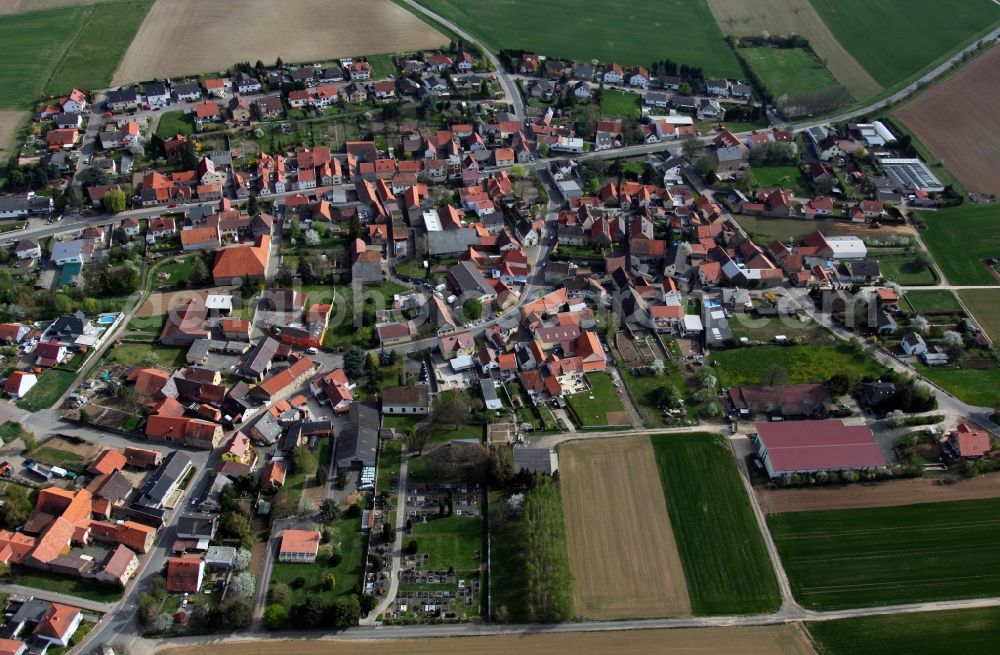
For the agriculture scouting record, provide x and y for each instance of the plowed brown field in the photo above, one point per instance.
(886, 494)
(766, 640)
(776, 17)
(181, 37)
(620, 541)
(9, 122)
(959, 123)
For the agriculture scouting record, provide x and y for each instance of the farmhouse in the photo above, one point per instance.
(789, 447)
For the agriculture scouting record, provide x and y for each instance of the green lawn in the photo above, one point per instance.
(52, 51)
(960, 238)
(617, 103)
(928, 633)
(906, 270)
(149, 324)
(765, 230)
(450, 542)
(639, 33)
(890, 555)
(382, 66)
(985, 307)
(57, 457)
(895, 40)
(388, 463)
(51, 385)
(979, 387)
(135, 354)
(766, 329)
(591, 407)
(89, 589)
(349, 542)
(933, 302)
(92, 60)
(10, 431)
(786, 177)
(725, 563)
(788, 71)
(172, 122)
(807, 363)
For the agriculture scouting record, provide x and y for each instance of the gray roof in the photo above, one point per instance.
(359, 440)
(67, 250)
(467, 278)
(220, 555)
(163, 480)
(125, 95)
(451, 242)
(197, 525)
(536, 460)
(255, 364)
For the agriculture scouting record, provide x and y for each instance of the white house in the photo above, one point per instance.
(489, 390)
(913, 344)
(20, 383)
(28, 249)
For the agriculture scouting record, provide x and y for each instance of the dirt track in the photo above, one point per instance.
(958, 122)
(885, 494)
(744, 18)
(620, 541)
(180, 37)
(770, 640)
(9, 122)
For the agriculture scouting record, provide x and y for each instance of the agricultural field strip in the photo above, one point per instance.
(179, 37)
(742, 18)
(620, 540)
(957, 122)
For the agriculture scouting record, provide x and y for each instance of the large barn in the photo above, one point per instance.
(788, 447)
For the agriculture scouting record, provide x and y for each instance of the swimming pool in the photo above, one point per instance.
(106, 319)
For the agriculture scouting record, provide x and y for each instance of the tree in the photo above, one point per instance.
(518, 172)
(774, 376)
(114, 201)
(920, 325)
(346, 612)
(238, 614)
(28, 440)
(311, 612)
(691, 146)
(472, 309)
(243, 585)
(146, 609)
(355, 360)
(276, 616)
(416, 439)
(236, 525)
(330, 581)
(303, 460)
(953, 343)
(189, 156)
(896, 418)
(501, 465)
(16, 507)
(280, 594)
(705, 166)
(241, 560)
(200, 274)
(252, 208)
(839, 384)
(413, 547)
(329, 511)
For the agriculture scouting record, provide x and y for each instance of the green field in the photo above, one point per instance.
(55, 50)
(979, 387)
(174, 122)
(135, 354)
(591, 407)
(617, 103)
(804, 364)
(639, 33)
(928, 633)
(788, 71)
(452, 541)
(725, 563)
(985, 307)
(54, 456)
(786, 177)
(52, 384)
(766, 329)
(906, 270)
(347, 540)
(890, 555)
(960, 238)
(765, 230)
(895, 40)
(933, 302)
(61, 584)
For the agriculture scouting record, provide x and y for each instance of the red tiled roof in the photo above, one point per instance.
(818, 445)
